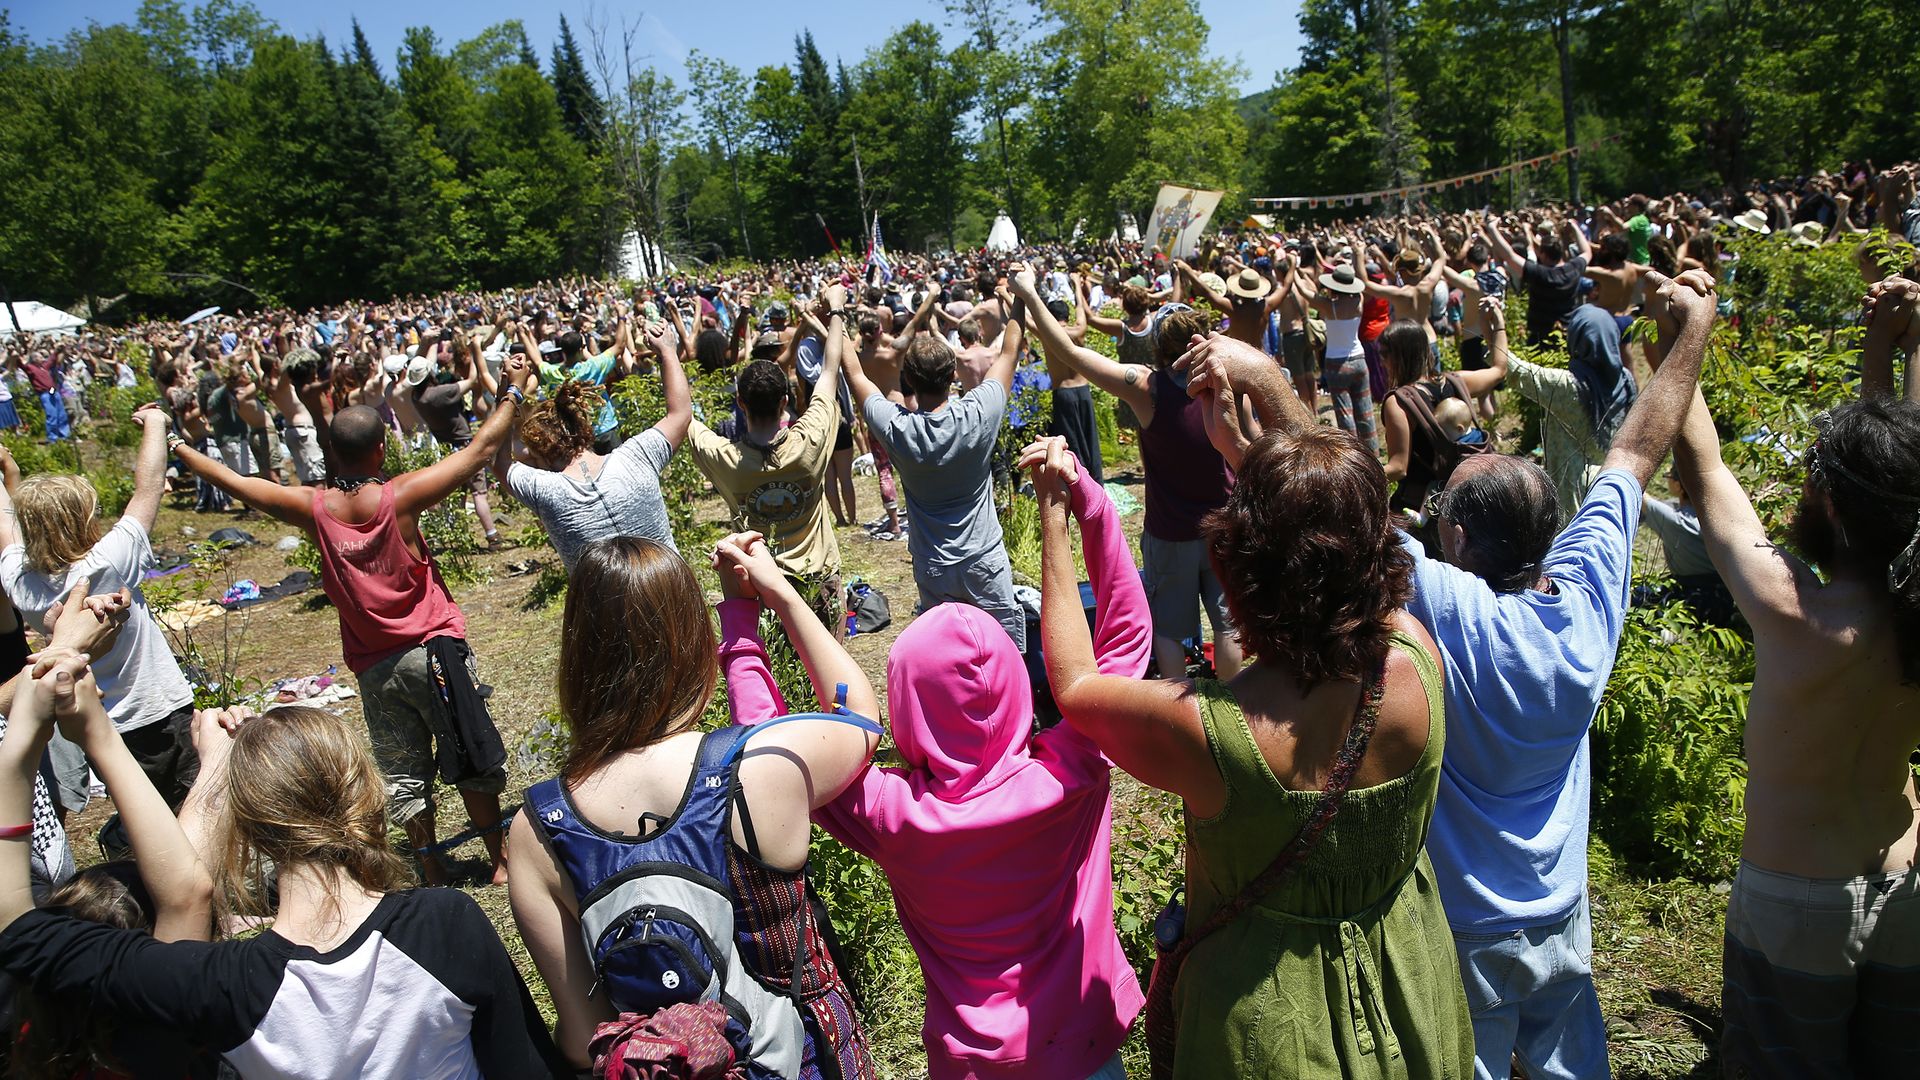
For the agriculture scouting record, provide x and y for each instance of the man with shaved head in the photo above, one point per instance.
(404, 637)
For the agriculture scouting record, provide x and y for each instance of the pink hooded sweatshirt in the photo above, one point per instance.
(997, 843)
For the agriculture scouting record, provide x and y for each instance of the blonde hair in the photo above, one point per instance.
(59, 516)
(1453, 417)
(302, 787)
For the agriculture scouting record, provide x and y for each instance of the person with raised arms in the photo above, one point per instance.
(1821, 974)
(403, 635)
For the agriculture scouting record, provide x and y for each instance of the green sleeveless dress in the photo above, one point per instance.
(1346, 970)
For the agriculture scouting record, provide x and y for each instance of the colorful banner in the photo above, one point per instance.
(1180, 216)
(1368, 198)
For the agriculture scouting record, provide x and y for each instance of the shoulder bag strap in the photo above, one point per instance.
(1344, 765)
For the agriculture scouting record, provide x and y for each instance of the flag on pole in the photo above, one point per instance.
(877, 256)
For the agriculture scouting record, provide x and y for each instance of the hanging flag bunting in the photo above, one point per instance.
(1370, 197)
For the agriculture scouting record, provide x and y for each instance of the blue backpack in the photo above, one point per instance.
(657, 912)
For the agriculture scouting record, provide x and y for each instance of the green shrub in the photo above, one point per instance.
(1669, 778)
(450, 530)
(640, 403)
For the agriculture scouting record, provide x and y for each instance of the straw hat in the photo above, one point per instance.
(1753, 221)
(1341, 280)
(1249, 285)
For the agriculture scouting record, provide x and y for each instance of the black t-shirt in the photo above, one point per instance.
(422, 989)
(1552, 293)
(443, 408)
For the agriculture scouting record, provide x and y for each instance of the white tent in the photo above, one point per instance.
(637, 253)
(38, 318)
(1003, 236)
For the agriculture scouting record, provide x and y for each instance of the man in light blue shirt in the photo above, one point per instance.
(1529, 623)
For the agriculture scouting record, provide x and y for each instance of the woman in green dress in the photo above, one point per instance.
(1347, 969)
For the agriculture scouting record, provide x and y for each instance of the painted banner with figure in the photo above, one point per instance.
(1180, 215)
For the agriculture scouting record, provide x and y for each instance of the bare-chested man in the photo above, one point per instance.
(1411, 294)
(1248, 299)
(1614, 278)
(1822, 964)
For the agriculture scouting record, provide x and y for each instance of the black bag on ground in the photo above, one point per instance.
(869, 608)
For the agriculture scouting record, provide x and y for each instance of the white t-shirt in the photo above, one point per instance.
(139, 677)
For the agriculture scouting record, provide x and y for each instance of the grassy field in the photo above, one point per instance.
(1656, 943)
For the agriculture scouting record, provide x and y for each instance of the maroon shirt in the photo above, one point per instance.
(1186, 476)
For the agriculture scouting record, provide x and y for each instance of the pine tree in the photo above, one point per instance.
(580, 106)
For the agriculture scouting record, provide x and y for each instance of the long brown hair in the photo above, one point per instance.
(302, 787)
(637, 662)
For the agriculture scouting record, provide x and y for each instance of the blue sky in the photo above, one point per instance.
(748, 33)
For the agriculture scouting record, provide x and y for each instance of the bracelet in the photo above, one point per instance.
(174, 441)
(15, 832)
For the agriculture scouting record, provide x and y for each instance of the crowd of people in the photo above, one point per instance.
(1411, 633)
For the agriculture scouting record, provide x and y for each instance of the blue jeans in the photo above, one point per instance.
(58, 427)
(1531, 993)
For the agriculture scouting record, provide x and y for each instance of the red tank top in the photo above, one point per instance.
(388, 598)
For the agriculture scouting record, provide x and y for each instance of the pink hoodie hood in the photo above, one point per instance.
(960, 704)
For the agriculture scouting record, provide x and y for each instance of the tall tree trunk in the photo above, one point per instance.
(1006, 166)
(739, 204)
(1563, 44)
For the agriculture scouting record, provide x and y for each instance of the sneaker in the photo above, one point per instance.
(884, 536)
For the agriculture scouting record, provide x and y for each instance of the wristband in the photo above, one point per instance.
(15, 832)
(514, 394)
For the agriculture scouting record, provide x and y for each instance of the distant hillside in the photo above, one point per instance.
(1253, 108)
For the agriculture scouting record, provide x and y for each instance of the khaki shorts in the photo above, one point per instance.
(405, 715)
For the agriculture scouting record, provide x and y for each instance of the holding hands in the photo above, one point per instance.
(747, 569)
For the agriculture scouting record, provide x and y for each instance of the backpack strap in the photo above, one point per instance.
(1345, 764)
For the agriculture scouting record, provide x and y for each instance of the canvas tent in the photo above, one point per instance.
(1003, 236)
(38, 318)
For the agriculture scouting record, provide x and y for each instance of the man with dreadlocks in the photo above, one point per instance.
(1822, 962)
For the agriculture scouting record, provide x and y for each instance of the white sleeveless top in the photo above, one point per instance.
(1343, 338)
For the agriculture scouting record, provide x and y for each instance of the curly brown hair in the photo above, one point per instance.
(560, 427)
(1308, 556)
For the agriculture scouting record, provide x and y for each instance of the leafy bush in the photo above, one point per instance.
(640, 403)
(450, 529)
(1669, 778)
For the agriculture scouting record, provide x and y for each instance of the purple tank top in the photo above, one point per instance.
(1186, 476)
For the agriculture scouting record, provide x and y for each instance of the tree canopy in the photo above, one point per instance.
(204, 155)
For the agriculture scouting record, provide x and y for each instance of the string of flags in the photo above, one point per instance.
(1368, 198)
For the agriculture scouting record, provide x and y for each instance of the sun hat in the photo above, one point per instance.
(1249, 285)
(1807, 234)
(768, 343)
(1341, 280)
(394, 364)
(1753, 221)
(418, 369)
(1213, 281)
